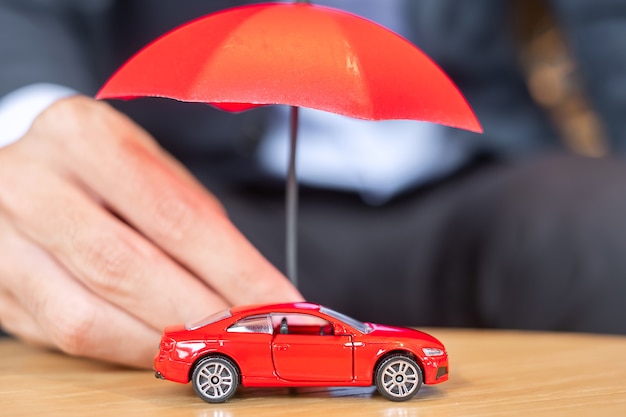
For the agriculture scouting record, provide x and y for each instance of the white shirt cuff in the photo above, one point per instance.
(20, 108)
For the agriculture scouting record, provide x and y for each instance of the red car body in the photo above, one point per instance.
(299, 344)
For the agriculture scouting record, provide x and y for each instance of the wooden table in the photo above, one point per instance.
(493, 373)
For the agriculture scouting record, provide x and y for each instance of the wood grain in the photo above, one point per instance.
(493, 373)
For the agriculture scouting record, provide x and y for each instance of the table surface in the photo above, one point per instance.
(493, 373)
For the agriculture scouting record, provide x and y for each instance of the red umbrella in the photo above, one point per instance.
(298, 55)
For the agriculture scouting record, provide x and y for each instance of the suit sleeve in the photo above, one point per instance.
(60, 42)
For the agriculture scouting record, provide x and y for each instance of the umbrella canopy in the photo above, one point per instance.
(298, 55)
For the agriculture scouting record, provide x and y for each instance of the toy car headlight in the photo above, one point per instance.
(432, 352)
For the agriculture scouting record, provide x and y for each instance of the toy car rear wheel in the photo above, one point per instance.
(215, 379)
(398, 377)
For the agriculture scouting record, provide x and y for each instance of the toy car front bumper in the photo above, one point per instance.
(436, 369)
(442, 371)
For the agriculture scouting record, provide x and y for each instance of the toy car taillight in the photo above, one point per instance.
(167, 344)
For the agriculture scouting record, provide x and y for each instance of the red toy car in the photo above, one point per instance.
(297, 345)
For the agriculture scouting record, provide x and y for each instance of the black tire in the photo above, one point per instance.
(398, 377)
(215, 379)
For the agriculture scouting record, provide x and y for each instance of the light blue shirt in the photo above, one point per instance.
(378, 160)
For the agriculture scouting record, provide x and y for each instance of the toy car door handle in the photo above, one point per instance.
(282, 346)
(353, 344)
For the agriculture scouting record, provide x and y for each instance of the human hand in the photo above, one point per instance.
(105, 239)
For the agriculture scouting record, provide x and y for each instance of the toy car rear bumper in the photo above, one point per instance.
(165, 368)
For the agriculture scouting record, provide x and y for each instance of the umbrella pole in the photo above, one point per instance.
(292, 204)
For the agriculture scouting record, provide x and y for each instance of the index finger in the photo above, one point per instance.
(155, 194)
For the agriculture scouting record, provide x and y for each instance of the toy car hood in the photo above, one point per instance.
(399, 333)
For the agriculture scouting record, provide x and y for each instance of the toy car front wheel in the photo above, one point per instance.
(215, 379)
(398, 377)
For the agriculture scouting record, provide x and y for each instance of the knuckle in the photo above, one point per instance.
(72, 332)
(110, 264)
(73, 126)
(67, 109)
(173, 218)
(63, 114)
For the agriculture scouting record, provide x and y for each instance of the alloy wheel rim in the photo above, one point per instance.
(215, 380)
(400, 378)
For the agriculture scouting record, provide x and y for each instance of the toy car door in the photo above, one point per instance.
(305, 349)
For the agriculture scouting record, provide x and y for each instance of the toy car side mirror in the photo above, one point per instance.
(284, 328)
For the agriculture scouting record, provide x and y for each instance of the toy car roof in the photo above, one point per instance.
(282, 307)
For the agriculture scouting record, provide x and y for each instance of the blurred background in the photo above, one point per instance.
(553, 81)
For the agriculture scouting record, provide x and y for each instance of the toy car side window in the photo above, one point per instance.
(255, 324)
(300, 324)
